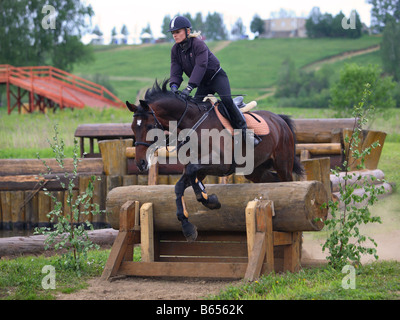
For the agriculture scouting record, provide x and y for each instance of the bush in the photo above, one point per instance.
(348, 91)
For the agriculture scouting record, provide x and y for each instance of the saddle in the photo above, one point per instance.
(253, 120)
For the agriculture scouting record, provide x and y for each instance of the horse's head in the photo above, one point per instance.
(143, 121)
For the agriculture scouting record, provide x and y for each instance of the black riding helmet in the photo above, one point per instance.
(179, 22)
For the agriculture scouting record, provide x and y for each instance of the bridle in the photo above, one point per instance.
(158, 124)
(155, 126)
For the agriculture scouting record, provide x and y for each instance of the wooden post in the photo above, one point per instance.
(291, 253)
(147, 232)
(113, 153)
(153, 172)
(260, 240)
(318, 169)
(123, 241)
(372, 159)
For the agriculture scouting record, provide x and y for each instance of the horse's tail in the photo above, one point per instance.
(297, 167)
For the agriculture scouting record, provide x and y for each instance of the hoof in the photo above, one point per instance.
(212, 202)
(189, 231)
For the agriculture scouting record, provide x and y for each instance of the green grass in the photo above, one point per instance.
(252, 66)
(21, 278)
(375, 281)
(23, 135)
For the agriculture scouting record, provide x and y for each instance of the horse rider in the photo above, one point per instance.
(191, 55)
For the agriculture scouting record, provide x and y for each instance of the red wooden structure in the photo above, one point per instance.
(49, 87)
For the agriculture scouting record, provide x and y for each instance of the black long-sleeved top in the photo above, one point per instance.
(195, 59)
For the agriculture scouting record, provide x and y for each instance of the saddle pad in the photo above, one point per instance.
(260, 127)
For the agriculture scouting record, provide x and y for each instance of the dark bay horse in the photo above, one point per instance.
(161, 108)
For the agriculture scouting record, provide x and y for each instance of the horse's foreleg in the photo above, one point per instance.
(209, 201)
(188, 229)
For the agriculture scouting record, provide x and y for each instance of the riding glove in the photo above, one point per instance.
(186, 92)
(174, 88)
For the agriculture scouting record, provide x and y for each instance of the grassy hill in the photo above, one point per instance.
(252, 66)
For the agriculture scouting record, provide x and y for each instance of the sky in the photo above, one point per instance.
(137, 14)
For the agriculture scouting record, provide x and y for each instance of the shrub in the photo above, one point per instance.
(348, 91)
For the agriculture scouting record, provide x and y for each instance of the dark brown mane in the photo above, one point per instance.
(158, 92)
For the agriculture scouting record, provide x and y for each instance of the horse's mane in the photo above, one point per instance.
(158, 92)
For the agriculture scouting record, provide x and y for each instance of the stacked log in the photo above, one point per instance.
(373, 177)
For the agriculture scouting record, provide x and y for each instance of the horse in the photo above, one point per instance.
(162, 107)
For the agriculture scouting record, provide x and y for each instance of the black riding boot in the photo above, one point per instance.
(239, 122)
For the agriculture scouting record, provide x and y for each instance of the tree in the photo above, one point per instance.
(390, 50)
(384, 11)
(238, 29)
(124, 30)
(97, 31)
(32, 33)
(147, 29)
(165, 28)
(320, 25)
(348, 91)
(215, 28)
(113, 34)
(257, 25)
(198, 22)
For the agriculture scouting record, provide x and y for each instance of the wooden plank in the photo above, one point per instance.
(304, 155)
(10, 167)
(222, 236)
(184, 269)
(319, 170)
(323, 125)
(147, 232)
(123, 244)
(268, 212)
(116, 255)
(291, 258)
(250, 213)
(104, 130)
(44, 207)
(372, 159)
(212, 249)
(6, 209)
(257, 257)
(203, 259)
(153, 172)
(127, 216)
(113, 155)
(84, 181)
(99, 197)
(282, 238)
(319, 148)
(18, 209)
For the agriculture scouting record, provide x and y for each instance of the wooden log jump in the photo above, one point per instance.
(297, 205)
(250, 235)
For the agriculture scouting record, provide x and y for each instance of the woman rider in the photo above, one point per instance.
(192, 56)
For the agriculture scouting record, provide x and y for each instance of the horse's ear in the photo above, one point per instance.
(144, 104)
(131, 106)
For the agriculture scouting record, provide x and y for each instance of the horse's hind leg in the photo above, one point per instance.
(263, 174)
(283, 165)
(188, 229)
